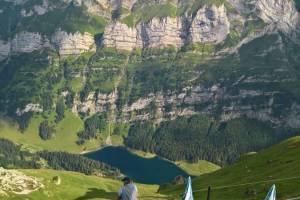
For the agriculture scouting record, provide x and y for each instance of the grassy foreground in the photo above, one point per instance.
(252, 176)
(76, 186)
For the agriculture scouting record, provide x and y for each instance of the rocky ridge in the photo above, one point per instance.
(210, 24)
(65, 43)
(167, 106)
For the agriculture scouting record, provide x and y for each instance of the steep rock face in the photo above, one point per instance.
(23, 42)
(66, 44)
(4, 49)
(26, 42)
(120, 36)
(158, 103)
(210, 25)
(95, 103)
(73, 44)
(170, 105)
(283, 13)
(163, 32)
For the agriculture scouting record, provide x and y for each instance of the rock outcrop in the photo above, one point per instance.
(4, 49)
(12, 181)
(23, 42)
(210, 25)
(65, 43)
(26, 42)
(163, 106)
(283, 14)
(31, 107)
(73, 43)
(120, 36)
(159, 33)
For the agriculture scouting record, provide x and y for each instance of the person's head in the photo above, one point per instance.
(126, 180)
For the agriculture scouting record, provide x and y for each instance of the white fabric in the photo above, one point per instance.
(128, 192)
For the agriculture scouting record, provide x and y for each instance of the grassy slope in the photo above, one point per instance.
(193, 169)
(280, 161)
(199, 168)
(75, 186)
(64, 139)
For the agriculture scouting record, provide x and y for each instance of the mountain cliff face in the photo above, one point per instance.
(73, 44)
(210, 24)
(121, 36)
(139, 61)
(66, 44)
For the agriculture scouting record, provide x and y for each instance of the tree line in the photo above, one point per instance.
(13, 156)
(78, 163)
(201, 138)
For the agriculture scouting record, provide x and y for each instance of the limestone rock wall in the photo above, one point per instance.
(26, 42)
(4, 49)
(210, 25)
(121, 36)
(283, 13)
(159, 33)
(66, 44)
(170, 105)
(23, 42)
(73, 44)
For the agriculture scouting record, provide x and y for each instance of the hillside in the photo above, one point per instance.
(78, 75)
(78, 186)
(252, 175)
(249, 178)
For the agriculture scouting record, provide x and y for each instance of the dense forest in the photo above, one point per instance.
(14, 156)
(201, 138)
(73, 162)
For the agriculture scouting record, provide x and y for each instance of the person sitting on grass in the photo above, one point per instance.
(128, 191)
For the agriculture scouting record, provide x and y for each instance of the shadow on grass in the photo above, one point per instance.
(94, 193)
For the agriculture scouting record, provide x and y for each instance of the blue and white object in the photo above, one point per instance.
(188, 194)
(272, 193)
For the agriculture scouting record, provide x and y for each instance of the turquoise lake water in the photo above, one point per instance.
(142, 170)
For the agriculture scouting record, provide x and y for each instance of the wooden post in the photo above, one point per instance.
(208, 192)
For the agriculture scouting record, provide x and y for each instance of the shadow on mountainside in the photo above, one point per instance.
(94, 193)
